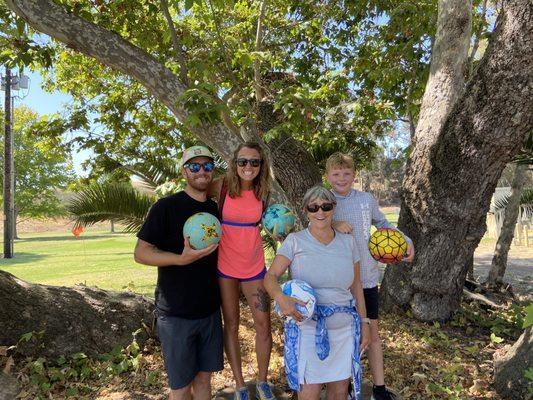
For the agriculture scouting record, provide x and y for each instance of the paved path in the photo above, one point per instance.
(519, 271)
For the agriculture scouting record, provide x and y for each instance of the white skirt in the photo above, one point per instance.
(338, 365)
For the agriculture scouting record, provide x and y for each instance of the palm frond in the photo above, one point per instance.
(526, 202)
(155, 172)
(118, 202)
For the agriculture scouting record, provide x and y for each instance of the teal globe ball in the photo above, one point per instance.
(278, 220)
(202, 229)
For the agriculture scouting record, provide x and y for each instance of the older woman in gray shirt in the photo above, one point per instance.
(322, 349)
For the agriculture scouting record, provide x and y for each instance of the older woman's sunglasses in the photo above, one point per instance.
(313, 208)
(243, 162)
(195, 166)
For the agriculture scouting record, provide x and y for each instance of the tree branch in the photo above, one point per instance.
(448, 65)
(180, 52)
(112, 50)
(258, 42)
(476, 41)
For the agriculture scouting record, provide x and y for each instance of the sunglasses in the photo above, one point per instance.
(313, 208)
(195, 167)
(243, 162)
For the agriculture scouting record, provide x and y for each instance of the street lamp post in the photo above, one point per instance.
(9, 176)
(8, 83)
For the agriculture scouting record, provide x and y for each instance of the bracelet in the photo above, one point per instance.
(365, 320)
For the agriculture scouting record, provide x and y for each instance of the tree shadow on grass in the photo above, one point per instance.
(60, 238)
(22, 258)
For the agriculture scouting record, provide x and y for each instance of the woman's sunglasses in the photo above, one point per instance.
(313, 208)
(243, 162)
(195, 167)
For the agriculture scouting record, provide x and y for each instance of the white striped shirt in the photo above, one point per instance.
(361, 211)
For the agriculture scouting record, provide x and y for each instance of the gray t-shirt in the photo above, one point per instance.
(329, 269)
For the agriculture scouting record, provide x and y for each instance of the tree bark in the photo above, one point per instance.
(454, 169)
(499, 260)
(15, 218)
(510, 363)
(78, 319)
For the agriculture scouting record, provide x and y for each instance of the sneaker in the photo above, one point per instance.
(383, 394)
(263, 391)
(241, 394)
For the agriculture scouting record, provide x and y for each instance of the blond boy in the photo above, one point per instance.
(355, 213)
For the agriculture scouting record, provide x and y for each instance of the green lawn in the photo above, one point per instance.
(97, 258)
(100, 259)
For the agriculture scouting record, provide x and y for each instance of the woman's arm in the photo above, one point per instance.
(358, 295)
(214, 188)
(286, 303)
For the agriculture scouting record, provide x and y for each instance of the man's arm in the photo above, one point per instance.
(148, 254)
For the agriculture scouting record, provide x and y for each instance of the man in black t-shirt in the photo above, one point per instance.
(187, 294)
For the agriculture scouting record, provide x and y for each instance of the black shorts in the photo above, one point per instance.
(371, 302)
(190, 346)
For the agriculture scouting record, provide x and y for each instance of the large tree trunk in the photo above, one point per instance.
(499, 260)
(510, 364)
(78, 319)
(452, 176)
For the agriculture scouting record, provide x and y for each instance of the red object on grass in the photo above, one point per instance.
(77, 231)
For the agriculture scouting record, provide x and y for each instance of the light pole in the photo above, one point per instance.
(8, 83)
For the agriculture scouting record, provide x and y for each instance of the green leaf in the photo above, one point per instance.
(26, 337)
(21, 25)
(528, 373)
(528, 320)
(189, 4)
(495, 339)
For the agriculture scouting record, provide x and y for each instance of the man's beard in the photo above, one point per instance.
(201, 186)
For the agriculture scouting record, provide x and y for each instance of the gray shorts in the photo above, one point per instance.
(190, 346)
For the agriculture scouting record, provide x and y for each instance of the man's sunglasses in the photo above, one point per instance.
(254, 162)
(313, 208)
(195, 166)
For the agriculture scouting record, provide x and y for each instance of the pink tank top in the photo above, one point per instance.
(240, 251)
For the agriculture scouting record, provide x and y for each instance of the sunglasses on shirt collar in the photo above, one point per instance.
(313, 208)
(195, 166)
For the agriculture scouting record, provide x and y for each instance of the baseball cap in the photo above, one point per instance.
(195, 151)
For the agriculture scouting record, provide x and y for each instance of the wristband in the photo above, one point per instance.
(365, 320)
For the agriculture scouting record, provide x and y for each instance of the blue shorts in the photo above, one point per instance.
(190, 346)
(257, 277)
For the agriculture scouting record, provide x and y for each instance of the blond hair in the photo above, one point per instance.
(261, 183)
(339, 160)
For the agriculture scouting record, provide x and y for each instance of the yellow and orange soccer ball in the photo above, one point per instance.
(387, 245)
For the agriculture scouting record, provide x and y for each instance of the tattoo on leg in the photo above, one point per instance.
(263, 300)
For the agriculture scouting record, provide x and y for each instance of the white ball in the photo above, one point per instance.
(302, 291)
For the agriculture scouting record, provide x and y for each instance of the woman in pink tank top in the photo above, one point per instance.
(241, 261)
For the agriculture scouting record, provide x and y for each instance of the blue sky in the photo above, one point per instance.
(47, 103)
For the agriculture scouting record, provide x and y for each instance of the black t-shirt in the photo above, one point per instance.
(186, 291)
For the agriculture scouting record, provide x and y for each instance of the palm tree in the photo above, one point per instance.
(517, 204)
(109, 200)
